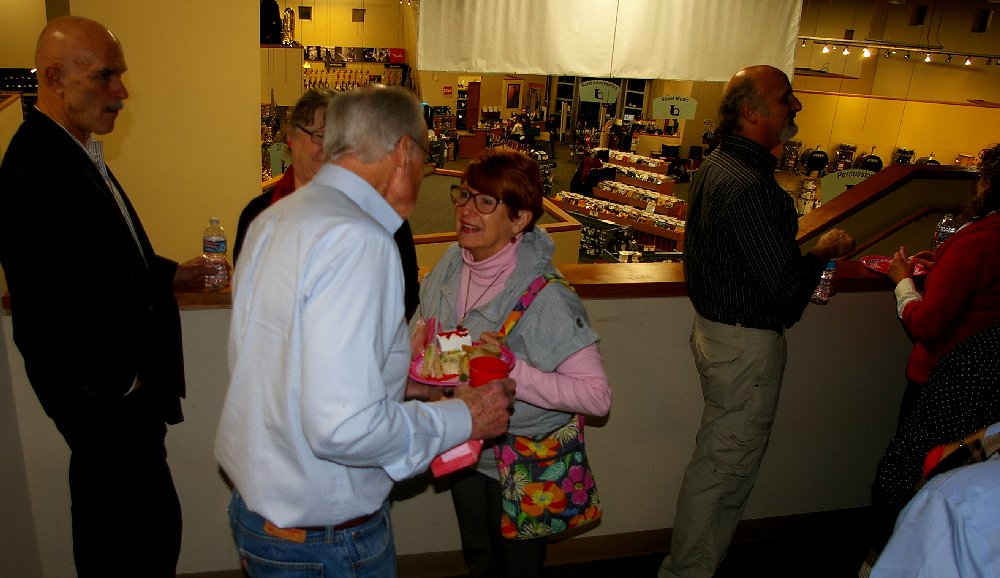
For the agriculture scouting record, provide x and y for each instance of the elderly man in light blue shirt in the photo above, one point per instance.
(315, 428)
(951, 528)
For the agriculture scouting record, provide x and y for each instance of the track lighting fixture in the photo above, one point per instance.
(870, 48)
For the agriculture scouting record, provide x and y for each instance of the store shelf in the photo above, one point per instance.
(664, 239)
(664, 188)
(677, 210)
(661, 169)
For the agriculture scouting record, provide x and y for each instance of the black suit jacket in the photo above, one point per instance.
(89, 313)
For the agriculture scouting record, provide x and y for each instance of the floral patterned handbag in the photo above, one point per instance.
(546, 483)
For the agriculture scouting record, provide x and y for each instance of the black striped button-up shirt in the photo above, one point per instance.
(741, 262)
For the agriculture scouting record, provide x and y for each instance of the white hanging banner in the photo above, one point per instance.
(674, 107)
(599, 91)
(706, 40)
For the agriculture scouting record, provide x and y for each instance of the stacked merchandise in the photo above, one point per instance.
(603, 240)
(590, 205)
(661, 202)
(636, 159)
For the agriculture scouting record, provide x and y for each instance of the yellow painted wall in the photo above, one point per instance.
(492, 91)
(943, 129)
(20, 23)
(187, 145)
(384, 25)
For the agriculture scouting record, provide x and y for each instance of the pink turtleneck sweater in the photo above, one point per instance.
(578, 385)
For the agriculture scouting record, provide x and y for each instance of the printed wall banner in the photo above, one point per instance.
(674, 107)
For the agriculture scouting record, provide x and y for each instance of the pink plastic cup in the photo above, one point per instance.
(486, 369)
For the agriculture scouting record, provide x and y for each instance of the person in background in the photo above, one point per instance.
(304, 134)
(961, 297)
(748, 282)
(270, 22)
(107, 363)
(558, 367)
(314, 429)
(552, 127)
(951, 528)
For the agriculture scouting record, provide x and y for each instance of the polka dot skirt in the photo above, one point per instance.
(961, 396)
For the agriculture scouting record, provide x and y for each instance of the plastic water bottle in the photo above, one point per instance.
(945, 228)
(214, 248)
(821, 295)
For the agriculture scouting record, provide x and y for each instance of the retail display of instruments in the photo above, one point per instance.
(868, 161)
(903, 156)
(845, 157)
(814, 160)
(790, 155)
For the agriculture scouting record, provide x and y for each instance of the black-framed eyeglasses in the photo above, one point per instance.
(430, 163)
(316, 136)
(485, 203)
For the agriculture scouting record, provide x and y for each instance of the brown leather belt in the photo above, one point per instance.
(299, 534)
(343, 525)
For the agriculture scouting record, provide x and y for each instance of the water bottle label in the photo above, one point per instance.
(214, 246)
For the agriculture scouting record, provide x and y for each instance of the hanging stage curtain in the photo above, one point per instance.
(668, 39)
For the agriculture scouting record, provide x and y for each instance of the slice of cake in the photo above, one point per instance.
(453, 340)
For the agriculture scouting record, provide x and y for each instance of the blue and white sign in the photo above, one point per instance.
(599, 91)
(835, 183)
(674, 107)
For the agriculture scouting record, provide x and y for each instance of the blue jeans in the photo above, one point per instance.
(364, 551)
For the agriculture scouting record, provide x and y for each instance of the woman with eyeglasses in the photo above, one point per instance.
(558, 366)
(303, 132)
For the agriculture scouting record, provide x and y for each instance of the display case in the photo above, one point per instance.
(467, 107)
(635, 97)
(443, 124)
(462, 109)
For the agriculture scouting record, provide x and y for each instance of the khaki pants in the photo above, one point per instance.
(741, 370)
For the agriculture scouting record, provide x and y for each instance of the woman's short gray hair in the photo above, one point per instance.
(369, 121)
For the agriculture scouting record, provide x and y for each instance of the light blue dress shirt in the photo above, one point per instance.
(314, 429)
(951, 528)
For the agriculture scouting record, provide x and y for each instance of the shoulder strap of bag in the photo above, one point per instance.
(530, 293)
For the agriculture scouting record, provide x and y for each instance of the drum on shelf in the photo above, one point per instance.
(845, 157)
(814, 160)
(790, 155)
(903, 156)
(868, 162)
(965, 160)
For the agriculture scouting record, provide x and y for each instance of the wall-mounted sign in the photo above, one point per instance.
(835, 183)
(446, 90)
(599, 91)
(674, 107)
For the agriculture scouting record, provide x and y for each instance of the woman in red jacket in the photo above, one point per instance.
(961, 297)
(962, 292)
